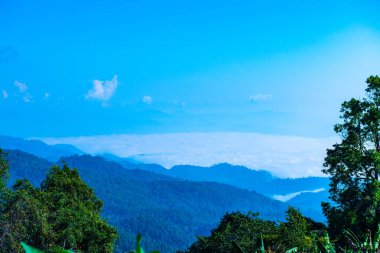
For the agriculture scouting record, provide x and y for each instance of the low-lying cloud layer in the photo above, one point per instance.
(284, 156)
(289, 196)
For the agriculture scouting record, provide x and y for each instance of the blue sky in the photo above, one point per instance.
(89, 68)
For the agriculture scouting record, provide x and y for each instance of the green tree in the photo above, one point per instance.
(4, 168)
(354, 165)
(244, 229)
(294, 232)
(63, 213)
(22, 219)
(73, 213)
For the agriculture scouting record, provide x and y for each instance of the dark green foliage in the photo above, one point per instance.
(63, 213)
(324, 245)
(4, 174)
(74, 213)
(23, 218)
(354, 166)
(238, 232)
(294, 232)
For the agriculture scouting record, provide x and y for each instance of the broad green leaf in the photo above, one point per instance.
(292, 250)
(139, 249)
(262, 248)
(237, 247)
(377, 238)
(29, 249)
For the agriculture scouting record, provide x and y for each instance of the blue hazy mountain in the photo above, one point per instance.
(256, 180)
(168, 211)
(25, 165)
(239, 176)
(39, 148)
(309, 201)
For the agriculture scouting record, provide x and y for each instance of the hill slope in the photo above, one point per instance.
(25, 165)
(242, 177)
(310, 202)
(169, 212)
(257, 180)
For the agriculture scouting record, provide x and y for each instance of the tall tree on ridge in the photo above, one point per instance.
(354, 165)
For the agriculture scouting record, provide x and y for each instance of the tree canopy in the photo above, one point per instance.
(249, 231)
(354, 165)
(63, 213)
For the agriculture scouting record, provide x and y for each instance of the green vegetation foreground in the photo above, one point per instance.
(63, 213)
(354, 167)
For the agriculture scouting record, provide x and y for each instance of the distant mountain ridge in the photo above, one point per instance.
(39, 148)
(25, 165)
(239, 176)
(242, 177)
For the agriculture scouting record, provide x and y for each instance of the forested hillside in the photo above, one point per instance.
(25, 165)
(260, 181)
(169, 212)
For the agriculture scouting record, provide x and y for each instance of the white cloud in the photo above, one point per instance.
(260, 97)
(147, 100)
(5, 94)
(289, 196)
(284, 156)
(21, 86)
(46, 95)
(102, 90)
(23, 89)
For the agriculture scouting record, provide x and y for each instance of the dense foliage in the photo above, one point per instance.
(247, 231)
(63, 213)
(354, 166)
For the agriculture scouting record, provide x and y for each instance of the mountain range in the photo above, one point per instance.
(305, 193)
(169, 207)
(38, 148)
